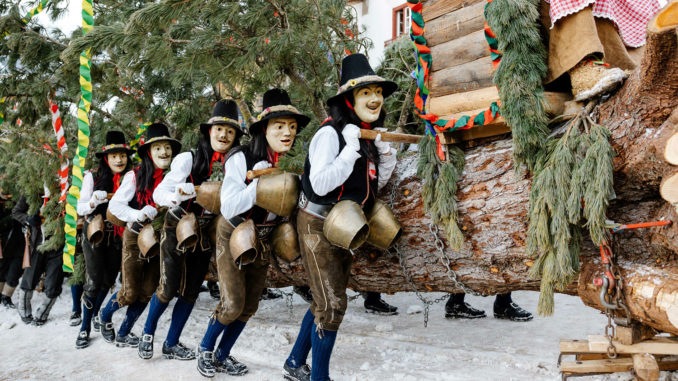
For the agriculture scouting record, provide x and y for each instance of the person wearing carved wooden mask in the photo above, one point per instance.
(241, 285)
(182, 270)
(133, 205)
(339, 166)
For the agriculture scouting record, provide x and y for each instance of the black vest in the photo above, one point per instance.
(196, 179)
(134, 202)
(359, 187)
(101, 208)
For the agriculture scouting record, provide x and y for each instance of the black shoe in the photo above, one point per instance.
(304, 292)
(380, 307)
(206, 363)
(302, 373)
(203, 288)
(96, 324)
(75, 319)
(269, 294)
(82, 341)
(512, 312)
(129, 341)
(230, 366)
(462, 311)
(27, 319)
(146, 346)
(7, 302)
(179, 352)
(214, 290)
(38, 322)
(107, 331)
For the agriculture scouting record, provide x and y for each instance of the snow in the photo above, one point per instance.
(368, 347)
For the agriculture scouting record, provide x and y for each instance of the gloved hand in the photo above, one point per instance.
(183, 192)
(262, 165)
(98, 198)
(351, 134)
(382, 147)
(147, 213)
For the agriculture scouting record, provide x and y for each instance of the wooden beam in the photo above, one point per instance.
(452, 25)
(463, 102)
(621, 364)
(657, 345)
(435, 8)
(460, 51)
(569, 347)
(645, 366)
(472, 75)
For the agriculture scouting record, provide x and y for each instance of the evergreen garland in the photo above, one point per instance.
(439, 187)
(519, 75)
(573, 170)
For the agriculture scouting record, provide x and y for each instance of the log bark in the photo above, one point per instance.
(460, 51)
(435, 8)
(466, 77)
(460, 22)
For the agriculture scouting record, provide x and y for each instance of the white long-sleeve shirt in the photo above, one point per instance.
(180, 170)
(236, 196)
(84, 208)
(119, 204)
(331, 168)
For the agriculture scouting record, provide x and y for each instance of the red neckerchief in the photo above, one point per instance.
(364, 124)
(273, 157)
(116, 184)
(216, 156)
(146, 197)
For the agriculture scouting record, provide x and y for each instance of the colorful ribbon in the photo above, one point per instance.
(63, 149)
(34, 11)
(424, 60)
(71, 219)
(2, 116)
(138, 138)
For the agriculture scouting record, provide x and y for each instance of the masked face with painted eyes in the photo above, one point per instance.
(117, 161)
(280, 133)
(368, 101)
(161, 153)
(222, 137)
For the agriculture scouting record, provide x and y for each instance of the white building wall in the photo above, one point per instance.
(377, 22)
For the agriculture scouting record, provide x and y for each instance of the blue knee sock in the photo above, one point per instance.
(110, 308)
(101, 296)
(322, 344)
(302, 346)
(76, 294)
(214, 329)
(134, 310)
(182, 310)
(88, 313)
(154, 312)
(231, 334)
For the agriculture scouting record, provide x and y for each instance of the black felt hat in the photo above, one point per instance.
(158, 132)
(225, 113)
(115, 142)
(357, 72)
(276, 104)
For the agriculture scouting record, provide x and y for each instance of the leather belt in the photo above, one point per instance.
(316, 210)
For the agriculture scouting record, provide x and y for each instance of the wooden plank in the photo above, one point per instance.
(621, 364)
(568, 347)
(635, 333)
(472, 102)
(593, 356)
(455, 24)
(473, 75)
(436, 8)
(657, 345)
(667, 363)
(645, 366)
(460, 51)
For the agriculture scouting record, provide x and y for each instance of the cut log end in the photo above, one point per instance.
(669, 188)
(667, 18)
(671, 150)
(645, 366)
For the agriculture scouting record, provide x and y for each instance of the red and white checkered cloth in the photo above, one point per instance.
(630, 16)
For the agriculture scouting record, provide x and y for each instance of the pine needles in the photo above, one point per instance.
(439, 180)
(571, 189)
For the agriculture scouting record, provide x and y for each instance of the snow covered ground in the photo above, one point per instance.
(368, 347)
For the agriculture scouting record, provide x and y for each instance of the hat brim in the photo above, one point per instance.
(302, 120)
(101, 154)
(387, 87)
(176, 146)
(205, 127)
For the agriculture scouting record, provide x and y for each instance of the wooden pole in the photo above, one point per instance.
(392, 137)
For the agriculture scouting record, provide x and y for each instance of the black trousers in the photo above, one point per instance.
(10, 271)
(50, 263)
(182, 272)
(102, 261)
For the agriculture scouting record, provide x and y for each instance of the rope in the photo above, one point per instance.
(63, 149)
(70, 227)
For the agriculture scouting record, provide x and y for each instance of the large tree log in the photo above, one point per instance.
(493, 204)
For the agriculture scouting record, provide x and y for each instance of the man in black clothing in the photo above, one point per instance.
(504, 308)
(49, 262)
(11, 250)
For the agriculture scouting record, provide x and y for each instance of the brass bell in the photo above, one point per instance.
(278, 193)
(285, 242)
(113, 219)
(149, 246)
(243, 243)
(346, 225)
(209, 196)
(187, 232)
(95, 230)
(384, 227)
